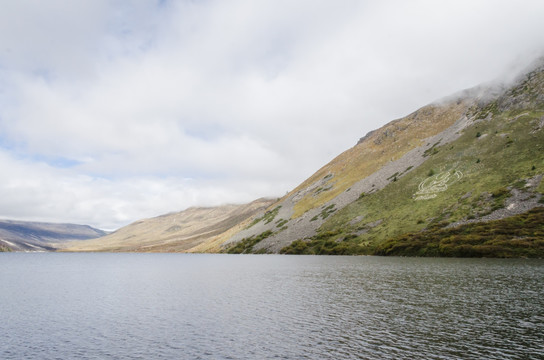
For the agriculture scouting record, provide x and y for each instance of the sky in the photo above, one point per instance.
(112, 111)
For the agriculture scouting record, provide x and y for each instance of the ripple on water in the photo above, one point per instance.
(164, 306)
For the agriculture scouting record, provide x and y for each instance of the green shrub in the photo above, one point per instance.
(268, 217)
(297, 247)
(245, 246)
(516, 236)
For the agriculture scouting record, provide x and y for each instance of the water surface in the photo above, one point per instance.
(178, 306)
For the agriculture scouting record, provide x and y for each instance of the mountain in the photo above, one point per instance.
(37, 236)
(459, 177)
(197, 229)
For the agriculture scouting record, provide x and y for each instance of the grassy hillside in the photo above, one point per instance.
(379, 158)
(492, 172)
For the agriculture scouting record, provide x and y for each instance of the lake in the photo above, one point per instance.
(182, 306)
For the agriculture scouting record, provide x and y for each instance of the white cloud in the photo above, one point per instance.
(107, 108)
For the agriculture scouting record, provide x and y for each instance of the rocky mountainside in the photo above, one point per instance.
(196, 229)
(36, 236)
(459, 177)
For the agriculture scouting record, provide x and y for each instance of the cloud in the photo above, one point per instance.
(40, 192)
(107, 108)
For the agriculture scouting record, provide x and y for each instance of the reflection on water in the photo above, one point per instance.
(163, 306)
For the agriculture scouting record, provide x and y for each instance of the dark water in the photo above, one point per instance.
(173, 306)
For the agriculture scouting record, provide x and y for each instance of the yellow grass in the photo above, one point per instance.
(386, 144)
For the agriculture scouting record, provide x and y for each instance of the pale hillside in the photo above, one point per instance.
(176, 232)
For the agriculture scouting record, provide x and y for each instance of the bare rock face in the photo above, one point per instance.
(361, 140)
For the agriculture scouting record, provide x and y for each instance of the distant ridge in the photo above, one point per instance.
(40, 236)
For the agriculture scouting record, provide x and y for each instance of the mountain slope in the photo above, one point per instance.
(474, 157)
(177, 232)
(36, 236)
